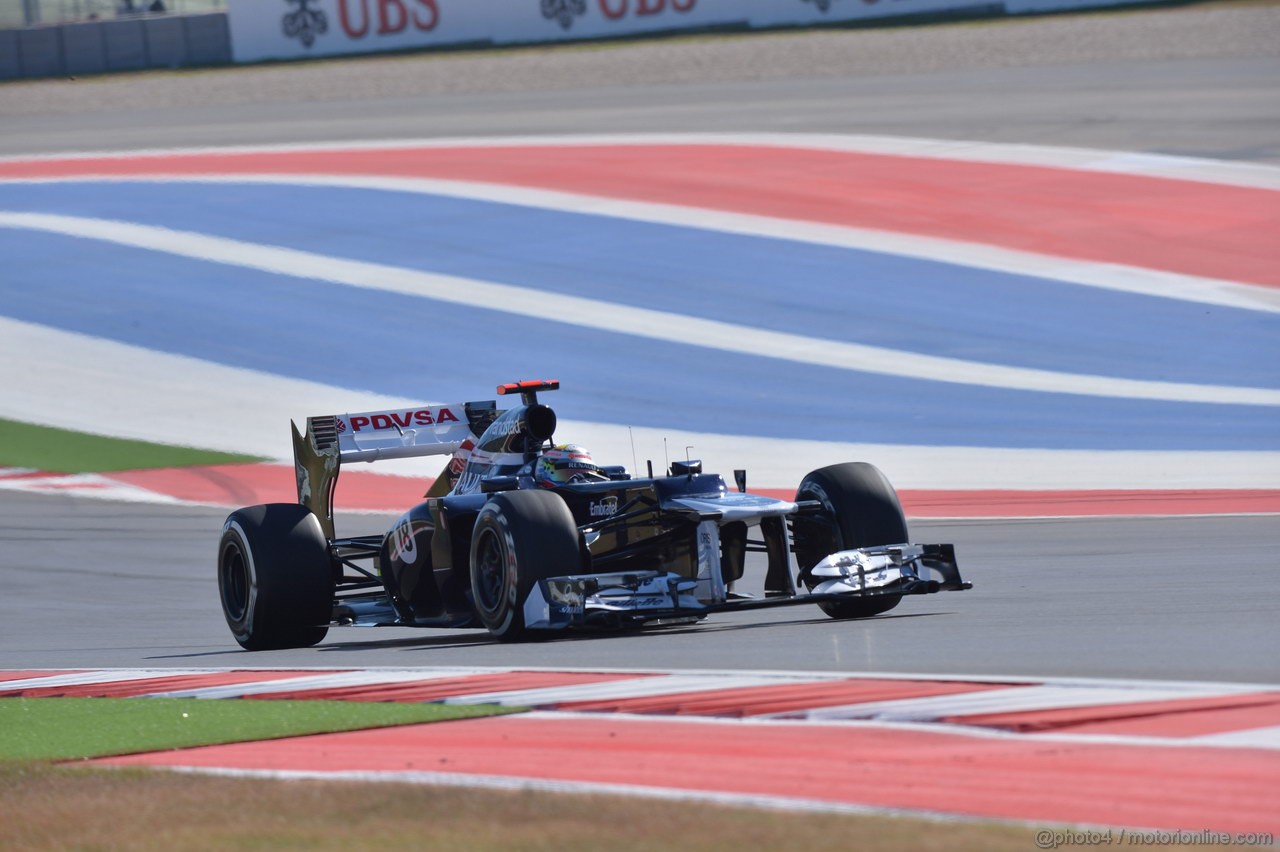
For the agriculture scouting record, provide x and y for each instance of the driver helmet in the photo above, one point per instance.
(566, 463)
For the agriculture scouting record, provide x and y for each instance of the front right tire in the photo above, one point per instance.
(519, 538)
(859, 509)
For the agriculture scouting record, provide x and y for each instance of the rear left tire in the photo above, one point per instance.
(275, 578)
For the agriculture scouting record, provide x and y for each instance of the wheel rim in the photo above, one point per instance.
(490, 577)
(235, 583)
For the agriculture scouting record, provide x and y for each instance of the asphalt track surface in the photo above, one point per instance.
(1196, 81)
(93, 584)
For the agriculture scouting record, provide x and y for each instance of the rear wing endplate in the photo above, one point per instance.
(330, 440)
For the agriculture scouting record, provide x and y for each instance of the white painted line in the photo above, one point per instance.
(1107, 276)
(590, 788)
(621, 319)
(100, 386)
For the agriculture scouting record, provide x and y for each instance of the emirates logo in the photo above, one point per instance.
(563, 11)
(304, 23)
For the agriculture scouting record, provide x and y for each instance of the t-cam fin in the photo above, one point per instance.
(316, 462)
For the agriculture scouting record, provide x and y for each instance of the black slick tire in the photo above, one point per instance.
(519, 538)
(860, 509)
(275, 578)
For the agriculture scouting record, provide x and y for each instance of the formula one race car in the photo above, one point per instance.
(525, 538)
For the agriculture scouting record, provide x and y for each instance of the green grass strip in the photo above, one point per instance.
(63, 451)
(71, 728)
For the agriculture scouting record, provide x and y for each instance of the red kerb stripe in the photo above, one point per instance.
(1183, 226)
(1151, 786)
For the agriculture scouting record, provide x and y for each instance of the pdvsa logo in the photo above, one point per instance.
(402, 419)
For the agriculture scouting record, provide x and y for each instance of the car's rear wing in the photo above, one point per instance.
(331, 440)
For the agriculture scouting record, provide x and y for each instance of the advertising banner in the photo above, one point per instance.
(772, 13)
(295, 29)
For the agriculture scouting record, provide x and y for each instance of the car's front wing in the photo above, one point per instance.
(639, 597)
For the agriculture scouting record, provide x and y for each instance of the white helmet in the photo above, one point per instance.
(566, 463)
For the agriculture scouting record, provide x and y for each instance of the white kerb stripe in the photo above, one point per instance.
(339, 680)
(640, 687)
(97, 677)
(1015, 700)
(1254, 738)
